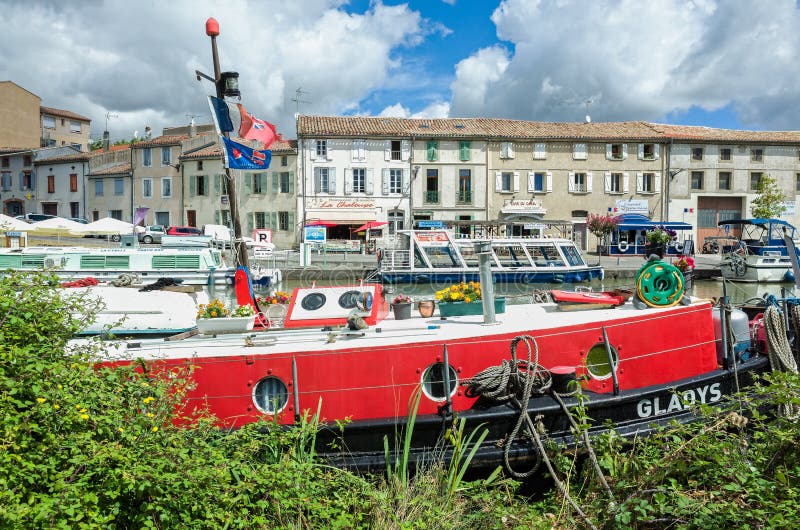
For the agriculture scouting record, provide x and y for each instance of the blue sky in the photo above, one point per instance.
(720, 63)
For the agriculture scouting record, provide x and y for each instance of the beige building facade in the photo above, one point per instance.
(109, 187)
(19, 116)
(63, 127)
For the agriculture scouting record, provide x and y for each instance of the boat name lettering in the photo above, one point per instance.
(679, 401)
(346, 204)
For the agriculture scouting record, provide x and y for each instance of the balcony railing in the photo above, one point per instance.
(464, 197)
(431, 197)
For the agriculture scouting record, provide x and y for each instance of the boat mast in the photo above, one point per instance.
(239, 248)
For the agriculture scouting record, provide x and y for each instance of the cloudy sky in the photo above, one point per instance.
(725, 63)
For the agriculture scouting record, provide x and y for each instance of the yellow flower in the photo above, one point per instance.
(154, 429)
(467, 299)
(148, 400)
(121, 429)
(149, 414)
(84, 416)
(56, 406)
(60, 387)
(41, 400)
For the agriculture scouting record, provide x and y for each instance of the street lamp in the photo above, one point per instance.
(226, 84)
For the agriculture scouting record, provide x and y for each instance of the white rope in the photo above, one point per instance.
(780, 352)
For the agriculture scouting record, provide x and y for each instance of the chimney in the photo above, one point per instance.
(106, 140)
(148, 133)
(192, 129)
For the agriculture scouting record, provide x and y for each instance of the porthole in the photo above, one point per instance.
(313, 301)
(270, 395)
(349, 300)
(433, 384)
(597, 361)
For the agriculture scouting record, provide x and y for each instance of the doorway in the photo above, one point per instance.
(713, 210)
(191, 217)
(14, 207)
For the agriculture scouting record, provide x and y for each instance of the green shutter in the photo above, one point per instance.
(291, 222)
(276, 181)
(432, 146)
(217, 184)
(250, 222)
(192, 186)
(275, 220)
(464, 151)
(291, 182)
(267, 220)
(217, 217)
(248, 183)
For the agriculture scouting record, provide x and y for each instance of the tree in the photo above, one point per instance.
(601, 226)
(769, 201)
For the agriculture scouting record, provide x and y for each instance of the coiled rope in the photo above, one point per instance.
(125, 279)
(780, 352)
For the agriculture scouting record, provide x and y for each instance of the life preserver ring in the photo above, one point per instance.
(622, 246)
(679, 248)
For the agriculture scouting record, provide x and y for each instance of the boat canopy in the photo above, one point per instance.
(758, 221)
(635, 221)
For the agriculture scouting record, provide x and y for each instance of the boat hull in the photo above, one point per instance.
(757, 269)
(516, 276)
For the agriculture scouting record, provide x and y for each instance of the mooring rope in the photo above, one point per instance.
(780, 352)
(125, 279)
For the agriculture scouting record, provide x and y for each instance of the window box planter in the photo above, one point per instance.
(213, 326)
(459, 309)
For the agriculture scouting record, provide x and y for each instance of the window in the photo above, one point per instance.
(27, 160)
(73, 183)
(507, 181)
(147, 188)
(166, 156)
(359, 150)
(432, 186)
(463, 151)
(284, 161)
(755, 180)
(797, 183)
(284, 185)
(616, 151)
(75, 126)
(540, 151)
(119, 186)
(98, 188)
(221, 184)
(579, 182)
(396, 222)
(615, 185)
(648, 152)
(322, 149)
(283, 221)
(697, 153)
(724, 180)
(260, 219)
(162, 218)
(74, 209)
(115, 214)
(648, 183)
(6, 180)
(325, 180)
(6, 162)
(48, 122)
(359, 180)
(51, 183)
(536, 182)
(507, 150)
(756, 154)
(579, 151)
(464, 186)
(396, 150)
(27, 181)
(697, 180)
(432, 151)
(258, 182)
(200, 165)
(725, 154)
(166, 188)
(396, 181)
(147, 157)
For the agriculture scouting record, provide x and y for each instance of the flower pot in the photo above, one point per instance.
(426, 308)
(402, 311)
(688, 278)
(457, 309)
(213, 326)
(659, 249)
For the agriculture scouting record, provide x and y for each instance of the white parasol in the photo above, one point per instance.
(107, 226)
(9, 224)
(58, 226)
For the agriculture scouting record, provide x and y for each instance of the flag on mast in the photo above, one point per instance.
(234, 118)
(238, 156)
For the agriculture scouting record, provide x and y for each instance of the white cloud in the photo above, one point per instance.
(636, 60)
(438, 109)
(137, 60)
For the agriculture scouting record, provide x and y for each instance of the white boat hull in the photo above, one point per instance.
(763, 269)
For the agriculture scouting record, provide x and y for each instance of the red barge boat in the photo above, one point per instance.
(341, 349)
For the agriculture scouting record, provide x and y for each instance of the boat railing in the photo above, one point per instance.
(392, 260)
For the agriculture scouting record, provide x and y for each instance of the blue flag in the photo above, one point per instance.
(238, 156)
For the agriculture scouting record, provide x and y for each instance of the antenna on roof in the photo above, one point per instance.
(588, 118)
(191, 118)
(108, 116)
(297, 98)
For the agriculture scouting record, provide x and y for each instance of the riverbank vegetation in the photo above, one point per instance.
(84, 447)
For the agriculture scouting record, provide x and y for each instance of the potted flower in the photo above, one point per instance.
(401, 306)
(657, 240)
(685, 264)
(465, 299)
(278, 297)
(214, 317)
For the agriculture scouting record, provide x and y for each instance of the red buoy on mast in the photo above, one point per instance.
(212, 27)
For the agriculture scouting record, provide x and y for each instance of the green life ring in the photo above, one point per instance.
(659, 284)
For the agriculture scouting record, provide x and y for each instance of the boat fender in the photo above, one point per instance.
(679, 248)
(789, 276)
(622, 246)
(564, 379)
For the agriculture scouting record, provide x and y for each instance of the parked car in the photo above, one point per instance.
(184, 231)
(150, 234)
(81, 220)
(35, 217)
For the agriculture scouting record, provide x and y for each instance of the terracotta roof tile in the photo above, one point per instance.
(213, 151)
(281, 147)
(120, 147)
(117, 169)
(64, 158)
(62, 113)
(709, 134)
(158, 141)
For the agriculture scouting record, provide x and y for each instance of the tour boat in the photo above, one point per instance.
(436, 256)
(194, 266)
(340, 351)
(759, 252)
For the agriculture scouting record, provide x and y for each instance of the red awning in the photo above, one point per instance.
(370, 225)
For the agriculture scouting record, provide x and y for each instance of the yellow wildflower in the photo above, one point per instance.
(84, 416)
(154, 429)
(148, 399)
(149, 414)
(41, 400)
(56, 406)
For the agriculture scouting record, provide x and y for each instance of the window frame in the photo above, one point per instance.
(147, 183)
(147, 157)
(729, 152)
(359, 180)
(395, 181)
(51, 183)
(697, 154)
(166, 156)
(618, 179)
(648, 182)
(166, 180)
(760, 174)
(321, 149)
(701, 175)
(98, 188)
(283, 184)
(756, 154)
(580, 187)
(121, 188)
(729, 179)
(73, 182)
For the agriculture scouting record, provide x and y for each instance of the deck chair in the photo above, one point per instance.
(243, 286)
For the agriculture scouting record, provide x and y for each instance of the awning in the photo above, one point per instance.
(370, 225)
(631, 221)
(321, 223)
